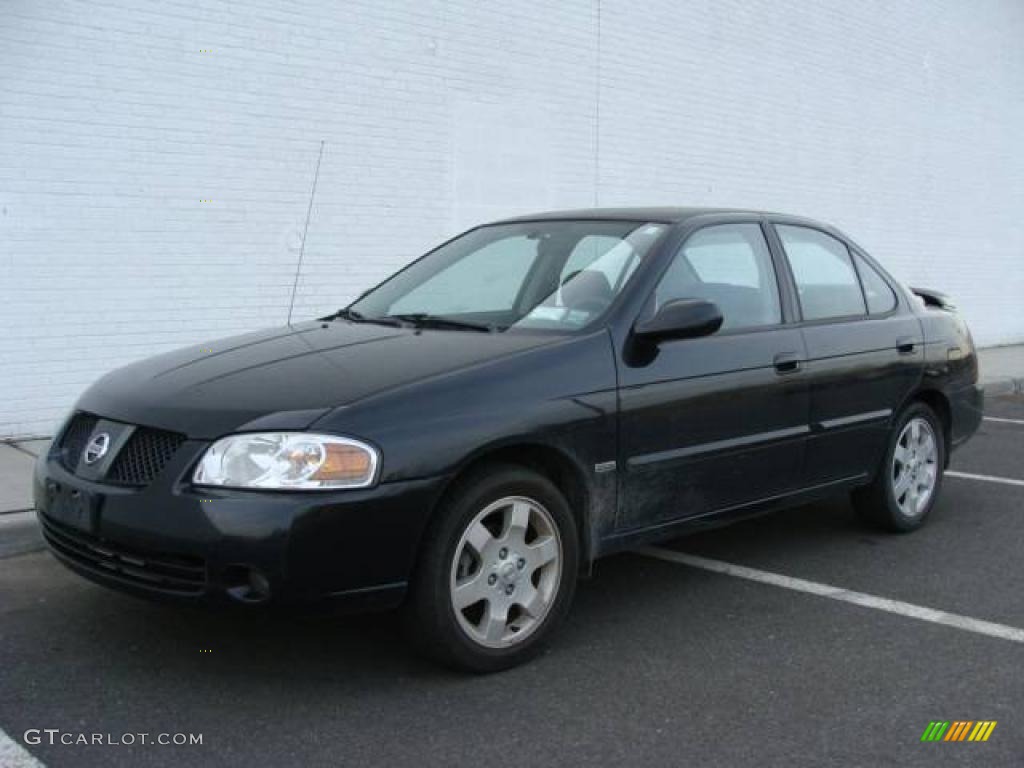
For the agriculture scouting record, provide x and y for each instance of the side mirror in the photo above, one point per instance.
(681, 319)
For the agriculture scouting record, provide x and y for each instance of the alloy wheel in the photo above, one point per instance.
(506, 572)
(915, 467)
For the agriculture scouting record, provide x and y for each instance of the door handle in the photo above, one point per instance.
(788, 362)
(906, 346)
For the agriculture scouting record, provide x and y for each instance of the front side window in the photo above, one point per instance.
(730, 265)
(544, 275)
(826, 282)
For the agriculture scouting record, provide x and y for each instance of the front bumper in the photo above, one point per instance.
(173, 540)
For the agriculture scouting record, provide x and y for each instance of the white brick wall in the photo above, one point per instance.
(899, 122)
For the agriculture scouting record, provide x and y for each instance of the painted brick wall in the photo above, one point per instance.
(157, 158)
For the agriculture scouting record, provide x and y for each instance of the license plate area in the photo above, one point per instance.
(72, 506)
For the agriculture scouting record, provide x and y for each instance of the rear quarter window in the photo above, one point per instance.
(880, 297)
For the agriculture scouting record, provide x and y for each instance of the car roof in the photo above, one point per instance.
(663, 214)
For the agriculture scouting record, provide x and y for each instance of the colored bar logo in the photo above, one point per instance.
(958, 730)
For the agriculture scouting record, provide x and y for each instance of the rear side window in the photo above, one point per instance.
(730, 265)
(880, 296)
(826, 281)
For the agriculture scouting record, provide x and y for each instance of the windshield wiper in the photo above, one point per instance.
(423, 320)
(358, 317)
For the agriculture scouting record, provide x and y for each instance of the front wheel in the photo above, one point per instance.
(907, 484)
(497, 572)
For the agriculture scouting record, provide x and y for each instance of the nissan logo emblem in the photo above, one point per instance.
(97, 448)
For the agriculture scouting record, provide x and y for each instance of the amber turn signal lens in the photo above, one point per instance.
(344, 462)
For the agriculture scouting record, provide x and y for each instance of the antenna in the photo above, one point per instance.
(305, 229)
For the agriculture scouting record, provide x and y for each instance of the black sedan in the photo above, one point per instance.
(469, 436)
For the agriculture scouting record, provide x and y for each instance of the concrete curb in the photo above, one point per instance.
(19, 533)
(1003, 386)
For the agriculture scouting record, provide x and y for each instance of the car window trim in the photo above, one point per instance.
(792, 311)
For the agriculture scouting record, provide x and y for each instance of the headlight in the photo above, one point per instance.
(288, 461)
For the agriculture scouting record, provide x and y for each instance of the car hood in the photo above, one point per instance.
(286, 378)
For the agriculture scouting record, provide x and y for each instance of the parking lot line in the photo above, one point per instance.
(13, 755)
(986, 478)
(919, 612)
(1003, 421)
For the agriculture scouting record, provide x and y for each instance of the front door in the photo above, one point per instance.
(719, 422)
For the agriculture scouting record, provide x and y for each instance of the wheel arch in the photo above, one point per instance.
(549, 461)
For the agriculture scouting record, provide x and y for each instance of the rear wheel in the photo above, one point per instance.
(497, 572)
(907, 484)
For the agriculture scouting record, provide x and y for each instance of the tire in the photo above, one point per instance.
(909, 479)
(478, 553)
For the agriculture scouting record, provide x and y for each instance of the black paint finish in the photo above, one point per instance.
(648, 439)
(708, 424)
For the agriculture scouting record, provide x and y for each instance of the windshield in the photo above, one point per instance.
(554, 275)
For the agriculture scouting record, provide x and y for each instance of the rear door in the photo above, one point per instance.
(864, 350)
(714, 423)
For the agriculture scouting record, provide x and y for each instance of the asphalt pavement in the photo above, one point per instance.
(659, 663)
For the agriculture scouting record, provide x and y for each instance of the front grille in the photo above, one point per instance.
(144, 456)
(76, 435)
(157, 571)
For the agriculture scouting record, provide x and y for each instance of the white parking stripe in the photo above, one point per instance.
(862, 599)
(1002, 420)
(13, 755)
(986, 478)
